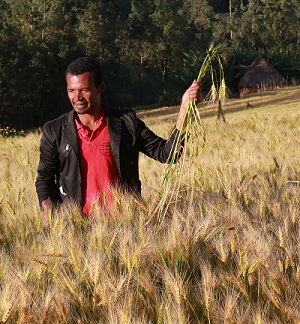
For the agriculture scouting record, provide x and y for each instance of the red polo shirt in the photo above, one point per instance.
(98, 168)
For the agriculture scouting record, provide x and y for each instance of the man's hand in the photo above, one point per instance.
(192, 93)
(47, 208)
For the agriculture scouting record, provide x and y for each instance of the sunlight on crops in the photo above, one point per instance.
(227, 250)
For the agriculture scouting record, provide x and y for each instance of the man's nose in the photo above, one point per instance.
(78, 94)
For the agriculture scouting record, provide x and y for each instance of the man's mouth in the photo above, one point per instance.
(80, 104)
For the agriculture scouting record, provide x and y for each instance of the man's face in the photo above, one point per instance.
(84, 95)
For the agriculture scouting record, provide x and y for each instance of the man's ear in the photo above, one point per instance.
(101, 87)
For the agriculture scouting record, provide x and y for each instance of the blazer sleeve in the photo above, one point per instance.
(155, 146)
(161, 149)
(48, 167)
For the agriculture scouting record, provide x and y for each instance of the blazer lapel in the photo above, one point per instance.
(70, 133)
(114, 131)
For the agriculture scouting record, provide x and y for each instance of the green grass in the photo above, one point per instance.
(227, 251)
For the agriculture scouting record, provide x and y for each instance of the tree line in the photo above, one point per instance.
(150, 50)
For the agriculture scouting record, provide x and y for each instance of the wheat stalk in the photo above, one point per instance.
(172, 178)
(7, 312)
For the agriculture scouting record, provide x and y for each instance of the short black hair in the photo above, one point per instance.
(86, 64)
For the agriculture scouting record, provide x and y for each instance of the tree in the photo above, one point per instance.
(281, 24)
(96, 30)
(171, 39)
(267, 24)
(137, 46)
(40, 32)
(250, 26)
(201, 20)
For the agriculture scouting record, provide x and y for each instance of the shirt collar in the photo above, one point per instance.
(79, 124)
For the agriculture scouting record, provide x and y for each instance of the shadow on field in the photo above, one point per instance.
(268, 100)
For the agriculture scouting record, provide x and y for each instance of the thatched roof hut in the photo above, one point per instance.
(259, 77)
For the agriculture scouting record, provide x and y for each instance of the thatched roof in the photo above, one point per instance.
(261, 74)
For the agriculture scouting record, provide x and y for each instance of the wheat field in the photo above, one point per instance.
(226, 250)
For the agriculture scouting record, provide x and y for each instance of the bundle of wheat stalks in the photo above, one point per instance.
(192, 133)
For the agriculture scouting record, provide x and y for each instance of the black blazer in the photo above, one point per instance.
(59, 173)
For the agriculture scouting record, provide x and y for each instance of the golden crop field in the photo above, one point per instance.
(225, 249)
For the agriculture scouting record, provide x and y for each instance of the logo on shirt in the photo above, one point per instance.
(105, 149)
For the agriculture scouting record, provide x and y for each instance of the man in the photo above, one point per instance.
(86, 152)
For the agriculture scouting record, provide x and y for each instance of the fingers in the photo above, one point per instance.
(46, 224)
(47, 207)
(194, 91)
